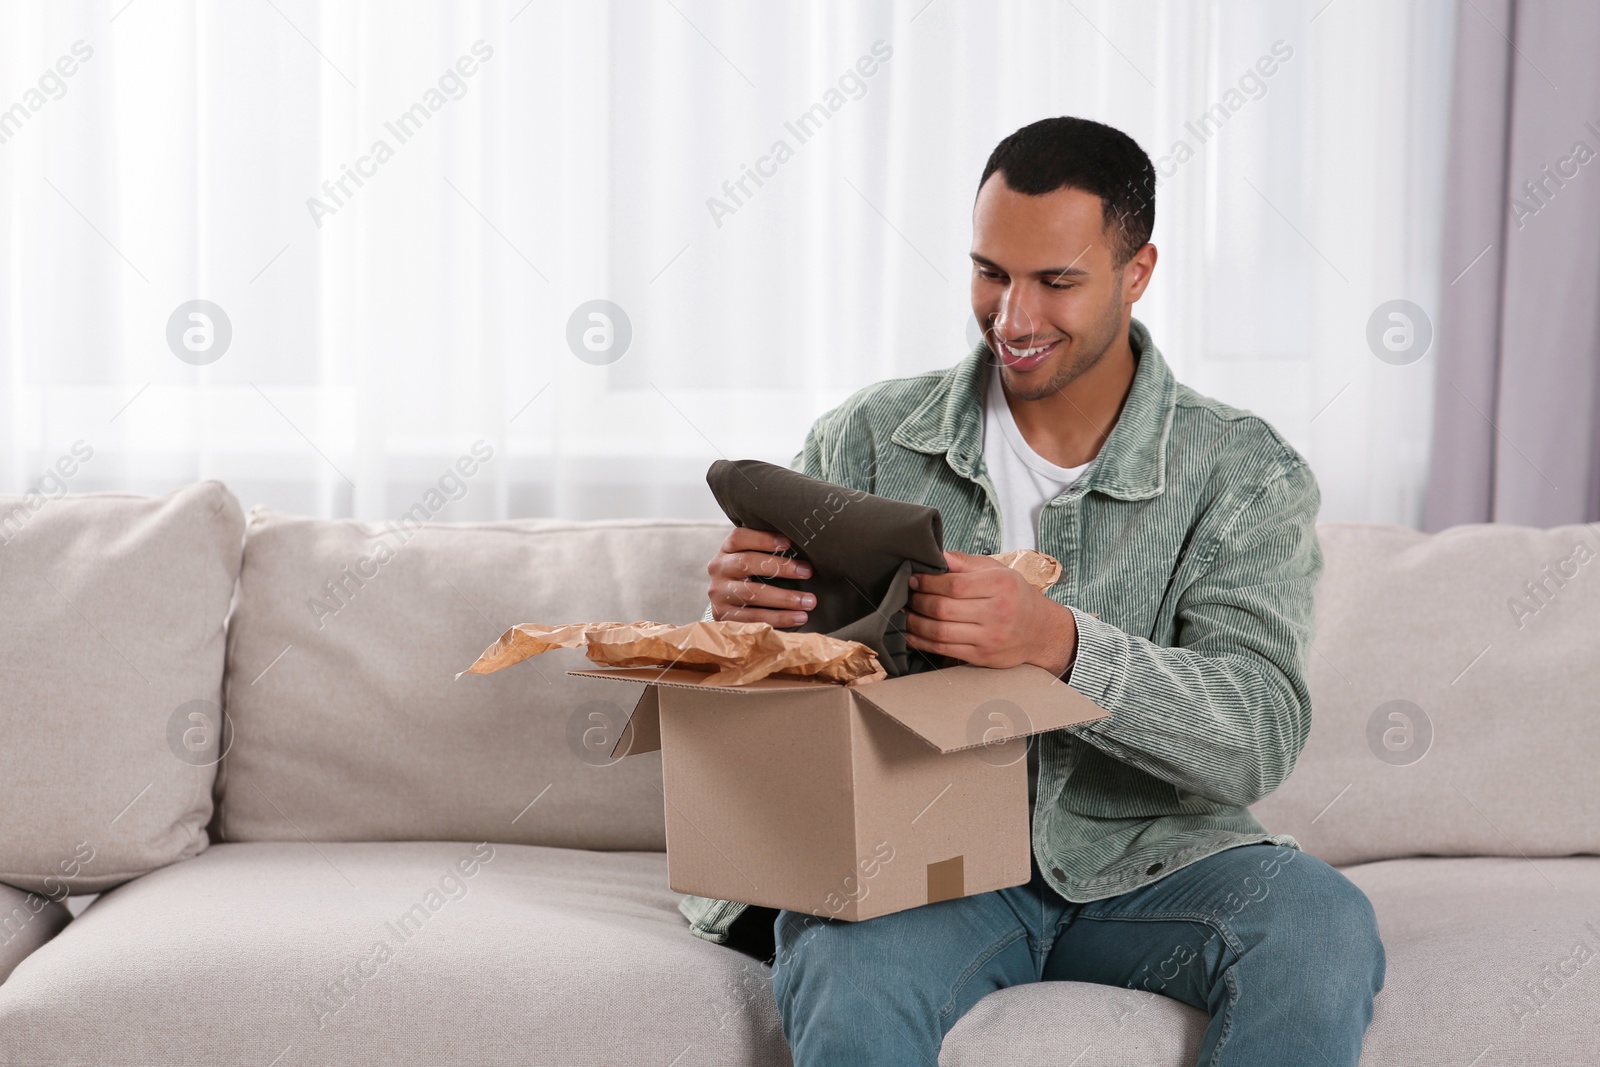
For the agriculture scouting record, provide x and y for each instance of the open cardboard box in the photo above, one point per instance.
(846, 801)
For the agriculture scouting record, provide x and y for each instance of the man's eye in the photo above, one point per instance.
(988, 275)
(1061, 285)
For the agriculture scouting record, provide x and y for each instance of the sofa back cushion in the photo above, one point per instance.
(112, 614)
(350, 725)
(1456, 696)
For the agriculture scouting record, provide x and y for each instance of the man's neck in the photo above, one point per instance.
(1069, 427)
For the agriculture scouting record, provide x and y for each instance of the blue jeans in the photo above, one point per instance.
(1277, 947)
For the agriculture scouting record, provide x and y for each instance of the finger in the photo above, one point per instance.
(761, 595)
(757, 602)
(960, 562)
(965, 653)
(765, 595)
(766, 565)
(778, 620)
(950, 609)
(745, 539)
(939, 630)
(972, 582)
(956, 584)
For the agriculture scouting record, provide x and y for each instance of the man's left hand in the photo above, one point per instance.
(984, 613)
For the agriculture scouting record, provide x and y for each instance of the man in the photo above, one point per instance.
(1186, 532)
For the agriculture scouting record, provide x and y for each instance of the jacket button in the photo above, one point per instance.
(1153, 868)
(1059, 873)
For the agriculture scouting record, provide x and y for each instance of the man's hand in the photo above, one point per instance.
(984, 613)
(734, 596)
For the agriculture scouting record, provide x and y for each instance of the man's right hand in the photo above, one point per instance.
(734, 596)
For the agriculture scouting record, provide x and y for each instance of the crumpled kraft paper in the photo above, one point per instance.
(735, 653)
(1041, 570)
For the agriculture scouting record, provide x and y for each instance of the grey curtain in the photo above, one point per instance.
(1516, 434)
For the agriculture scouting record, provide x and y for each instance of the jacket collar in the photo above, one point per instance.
(1131, 464)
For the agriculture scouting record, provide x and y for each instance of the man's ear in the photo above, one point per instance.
(1136, 273)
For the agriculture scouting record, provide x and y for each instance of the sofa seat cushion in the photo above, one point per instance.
(1467, 942)
(544, 955)
(1486, 953)
(267, 954)
(27, 921)
(1051, 1024)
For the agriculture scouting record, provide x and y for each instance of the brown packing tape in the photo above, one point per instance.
(947, 879)
(728, 653)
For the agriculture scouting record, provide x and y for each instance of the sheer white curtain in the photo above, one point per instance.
(514, 161)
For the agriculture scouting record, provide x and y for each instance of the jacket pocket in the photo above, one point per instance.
(1104, 788)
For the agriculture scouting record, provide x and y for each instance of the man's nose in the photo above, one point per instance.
(1017, 316)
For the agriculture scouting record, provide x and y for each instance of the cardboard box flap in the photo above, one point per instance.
(643, 732)
(691, 679)
(964, 706)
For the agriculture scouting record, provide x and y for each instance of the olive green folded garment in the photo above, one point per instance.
(862, 549)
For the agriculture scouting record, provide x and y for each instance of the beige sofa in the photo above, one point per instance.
(387, 865)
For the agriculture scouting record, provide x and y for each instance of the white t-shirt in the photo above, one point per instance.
(1025, 482)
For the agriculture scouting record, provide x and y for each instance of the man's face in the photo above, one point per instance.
(1044, 284)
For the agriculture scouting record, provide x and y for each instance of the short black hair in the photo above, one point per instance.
(1082, 154)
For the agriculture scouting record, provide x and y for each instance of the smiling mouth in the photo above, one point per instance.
(1025, 359)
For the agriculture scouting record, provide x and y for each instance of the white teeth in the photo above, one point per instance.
(1026, 353)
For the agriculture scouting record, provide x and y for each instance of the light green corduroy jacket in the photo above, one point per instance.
(1193, 538)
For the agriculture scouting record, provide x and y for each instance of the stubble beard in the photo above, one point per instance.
(1081, 357)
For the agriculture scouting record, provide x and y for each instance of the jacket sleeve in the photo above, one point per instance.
(1224, 713)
